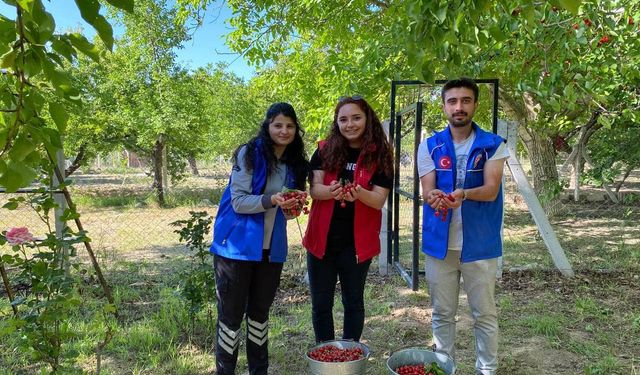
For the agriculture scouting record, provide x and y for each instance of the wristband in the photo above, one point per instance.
(464, 195)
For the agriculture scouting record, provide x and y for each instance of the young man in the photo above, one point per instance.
(460, 171)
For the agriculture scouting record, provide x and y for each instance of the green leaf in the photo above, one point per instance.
(109, 308)
(11, 205)
(17, 175)
(27, 5)
(426, 72)
(90, 12)
(126, 5)
(89, 9)
(7, 32)
(21, 148)
(69, 214)
(52, 138)
(4, 133)
(105, 32)
(47, 26)
(59, 115)
(32, 65)
(441, 13)
(496, 33)
(8, 59)
(62, 45)
(40, 268)
(605, 121)
(571, 5)
(84, 46)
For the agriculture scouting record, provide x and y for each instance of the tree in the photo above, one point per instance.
(33, 83)
(323, 49)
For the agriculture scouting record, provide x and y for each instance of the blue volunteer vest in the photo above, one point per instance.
(481, 221)
(240, 236)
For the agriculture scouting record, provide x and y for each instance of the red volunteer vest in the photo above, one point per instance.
(366, 223)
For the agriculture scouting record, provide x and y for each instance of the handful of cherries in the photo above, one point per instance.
(302, 203)
(442, 211)
(347, 187)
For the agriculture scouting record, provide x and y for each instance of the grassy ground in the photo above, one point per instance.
(589, 324)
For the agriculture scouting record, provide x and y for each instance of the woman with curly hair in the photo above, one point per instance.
(250, 235)
(352, 175)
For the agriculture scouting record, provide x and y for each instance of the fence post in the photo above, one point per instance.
(383, 261)
(165, 168)
(503, 131)
(535, 208)
(61, 203)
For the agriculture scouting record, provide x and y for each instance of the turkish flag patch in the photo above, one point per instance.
(445, 162)
(476, 161)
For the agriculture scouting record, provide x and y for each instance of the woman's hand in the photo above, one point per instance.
(279, 200)
(335, 189)
(353, 194)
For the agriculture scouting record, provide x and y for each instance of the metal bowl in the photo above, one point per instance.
(357, 367)
(413, 356)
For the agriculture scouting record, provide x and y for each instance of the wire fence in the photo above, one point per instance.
(123, 220)
(594, 232)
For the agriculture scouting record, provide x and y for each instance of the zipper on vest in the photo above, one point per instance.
(224, 240)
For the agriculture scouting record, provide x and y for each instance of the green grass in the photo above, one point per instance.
(549, 326)
(586, 325)
(155, 337)
(605, 366)
(135, 199)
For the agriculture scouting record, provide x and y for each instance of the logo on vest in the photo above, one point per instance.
(476, 161)
(445, 162)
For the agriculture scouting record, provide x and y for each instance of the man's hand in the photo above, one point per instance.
(435, 198)
(454, 199)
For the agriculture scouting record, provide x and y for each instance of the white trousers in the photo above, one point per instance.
(479, 280)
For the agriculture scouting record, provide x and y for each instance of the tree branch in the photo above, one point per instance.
(77, 161)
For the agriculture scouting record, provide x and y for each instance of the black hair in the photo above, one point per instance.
(461, 82)
(294, 154)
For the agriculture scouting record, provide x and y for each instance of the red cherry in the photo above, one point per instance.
(603, 40)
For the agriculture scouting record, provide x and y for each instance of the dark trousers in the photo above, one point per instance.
(244, 287)
(323, 276)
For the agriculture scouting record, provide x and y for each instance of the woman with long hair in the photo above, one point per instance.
(352, 176)
(250, 236)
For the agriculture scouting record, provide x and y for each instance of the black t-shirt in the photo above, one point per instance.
(341, 227)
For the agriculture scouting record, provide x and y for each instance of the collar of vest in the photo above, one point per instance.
(481, 141)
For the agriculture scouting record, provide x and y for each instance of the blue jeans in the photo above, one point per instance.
(323, 277)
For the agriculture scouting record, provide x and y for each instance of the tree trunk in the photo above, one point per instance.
(194, 167)
(543, 159)
(540, 149)
(624, 177)
(77, 161)
(158, 166)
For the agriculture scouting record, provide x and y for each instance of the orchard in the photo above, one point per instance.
(114, 154)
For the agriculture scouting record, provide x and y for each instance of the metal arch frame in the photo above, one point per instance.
(393, 201)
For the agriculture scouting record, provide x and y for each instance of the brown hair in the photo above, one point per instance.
(376, 150)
